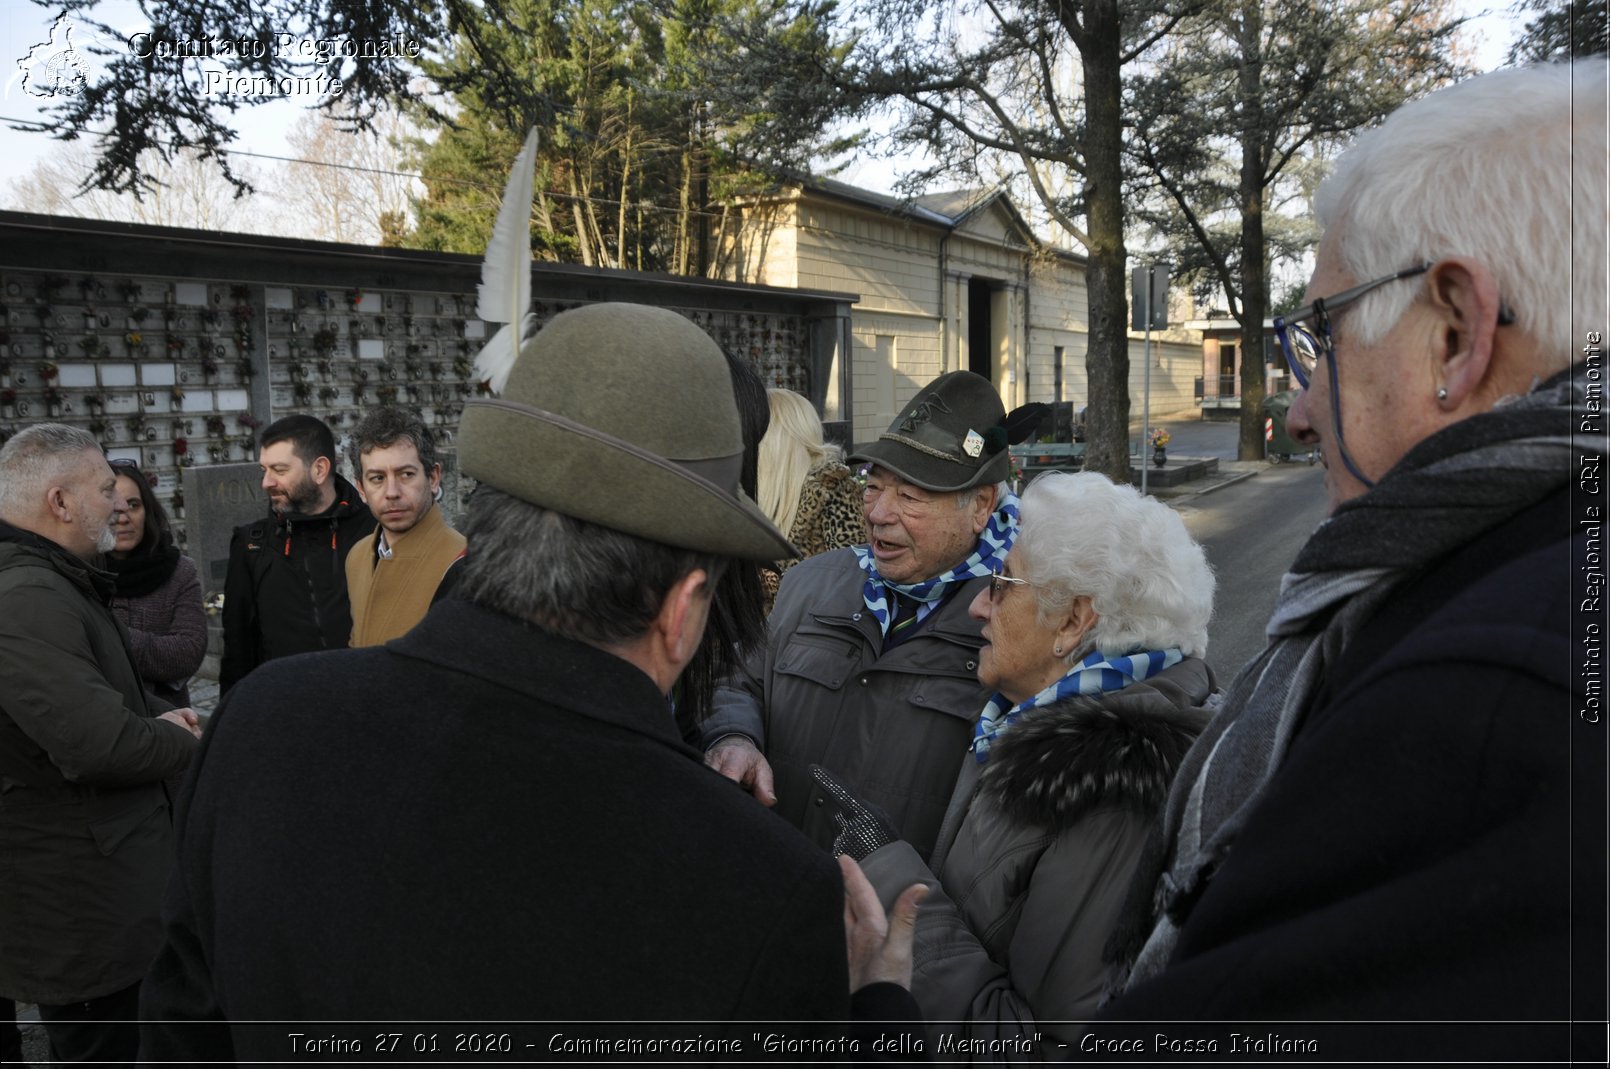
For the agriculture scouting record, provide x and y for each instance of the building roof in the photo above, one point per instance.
(948, 209)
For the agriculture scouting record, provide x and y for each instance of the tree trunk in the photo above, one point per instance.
(1254, 275)
(1107, 361)
(583, 236)
(684, 215)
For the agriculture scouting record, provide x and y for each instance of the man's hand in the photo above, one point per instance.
(735, 757)
(879, 946)
(185, 718)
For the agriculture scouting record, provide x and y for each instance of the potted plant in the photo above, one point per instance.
(1160, 440)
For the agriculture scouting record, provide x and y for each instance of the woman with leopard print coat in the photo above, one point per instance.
(804, 486)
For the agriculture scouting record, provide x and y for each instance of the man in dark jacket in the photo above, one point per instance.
(493, 818)
(1398, 813)
(871, 669)
(286, 591)
(85, 822)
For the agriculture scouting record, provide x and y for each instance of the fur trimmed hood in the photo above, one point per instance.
(1122, 749)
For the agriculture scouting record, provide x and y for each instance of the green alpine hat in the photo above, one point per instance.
(622, 415)
(949, 437)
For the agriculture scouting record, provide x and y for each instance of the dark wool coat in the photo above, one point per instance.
(825, 691)
(85, 825)
(477, 822)
(1422, 853)
(286, 589)
(1036, 855)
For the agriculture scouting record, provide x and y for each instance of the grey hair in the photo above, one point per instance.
(569, 577)
(1507, 168)
(964, 498)
(33, 458)
(1147, 579)
(384, 428)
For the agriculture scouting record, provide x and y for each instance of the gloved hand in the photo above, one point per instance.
(863, 827)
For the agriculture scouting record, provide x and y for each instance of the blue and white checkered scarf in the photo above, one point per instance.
(1093, 675)
(993, 545)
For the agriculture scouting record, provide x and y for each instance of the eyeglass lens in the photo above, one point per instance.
(1302, 352)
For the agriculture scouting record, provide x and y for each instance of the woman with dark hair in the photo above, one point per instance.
(158, 593)
(737, 623)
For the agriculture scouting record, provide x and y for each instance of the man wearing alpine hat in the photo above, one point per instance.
(493, 818)
(872, 665)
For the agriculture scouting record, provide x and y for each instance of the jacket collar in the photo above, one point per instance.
(93, 581)
(1114, 750)
(556, 671)
(847, 610)
(347, 503)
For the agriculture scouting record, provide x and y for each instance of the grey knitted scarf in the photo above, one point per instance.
(1449, 489)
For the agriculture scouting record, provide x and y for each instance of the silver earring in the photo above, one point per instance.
(1057, 650)
(1442, 393)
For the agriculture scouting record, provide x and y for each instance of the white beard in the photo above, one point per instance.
(108, 540)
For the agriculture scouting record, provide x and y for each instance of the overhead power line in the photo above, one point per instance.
(470, 183)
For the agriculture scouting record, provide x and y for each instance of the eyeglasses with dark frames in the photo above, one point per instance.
(1302, 347)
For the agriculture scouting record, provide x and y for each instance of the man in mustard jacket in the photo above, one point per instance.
(412, 557)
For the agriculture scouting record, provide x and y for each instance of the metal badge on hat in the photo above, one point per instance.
(973, 444)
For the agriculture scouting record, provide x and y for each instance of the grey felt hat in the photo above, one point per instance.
(949, 437)
(622, 415)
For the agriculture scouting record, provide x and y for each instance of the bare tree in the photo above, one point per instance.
(343, 184)
(188, 191)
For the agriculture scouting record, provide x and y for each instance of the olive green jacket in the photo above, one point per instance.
(85, 821)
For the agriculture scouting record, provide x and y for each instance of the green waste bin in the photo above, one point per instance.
(1279, 446)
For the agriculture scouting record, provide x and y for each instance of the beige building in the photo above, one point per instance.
(945, 282)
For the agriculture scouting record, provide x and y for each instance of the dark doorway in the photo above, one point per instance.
(980, 338)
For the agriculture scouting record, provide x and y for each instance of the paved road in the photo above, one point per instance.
(1251, 532)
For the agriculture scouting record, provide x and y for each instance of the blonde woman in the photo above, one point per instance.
(804, 486)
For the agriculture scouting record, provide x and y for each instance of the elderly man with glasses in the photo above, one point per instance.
(1378, 825)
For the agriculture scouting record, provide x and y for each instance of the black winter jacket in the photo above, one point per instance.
(1433, 847)
(498, 825)
(85, 830)
(286, 591)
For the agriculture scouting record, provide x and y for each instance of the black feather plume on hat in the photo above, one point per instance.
(1016, 426)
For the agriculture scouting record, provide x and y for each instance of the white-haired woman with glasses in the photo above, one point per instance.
(1094, 632)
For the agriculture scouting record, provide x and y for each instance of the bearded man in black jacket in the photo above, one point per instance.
(286, 590)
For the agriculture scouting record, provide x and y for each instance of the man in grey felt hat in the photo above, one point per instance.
(871, 668)
(493, 818)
